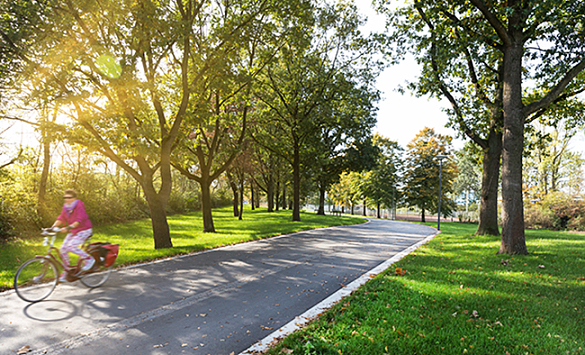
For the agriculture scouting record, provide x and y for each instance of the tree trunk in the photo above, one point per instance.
(252, 197)
(208, 226)
(296, 215)
(234, 187)
(41, 209)
(158, 217)
(378, 209)
(490, 181)
(277, 195)
(284, 197)
(422, 216)
(242, 200)
(321, 209)
(352, 206)
(513, 238)
(270, 193)
(365, 207)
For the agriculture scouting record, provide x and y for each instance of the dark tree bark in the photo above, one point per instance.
(513, 238)
(296, 215)
(284, 197)
(205, 183)
(252, 195)
(242, 200)
(488, 208)
(236, 198)
(277, 194)
(158, 216)
(321, 209)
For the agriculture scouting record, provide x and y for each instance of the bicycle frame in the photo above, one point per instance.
(73, 273)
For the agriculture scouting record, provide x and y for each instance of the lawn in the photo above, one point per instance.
(458, 297)
(137, 245)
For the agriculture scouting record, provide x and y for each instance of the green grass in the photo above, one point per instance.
(521, 308)
(137, 245)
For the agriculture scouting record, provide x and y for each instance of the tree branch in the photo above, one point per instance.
(493, 20)
(555, 92)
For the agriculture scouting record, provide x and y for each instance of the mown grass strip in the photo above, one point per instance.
(458, 297)
(137, 245)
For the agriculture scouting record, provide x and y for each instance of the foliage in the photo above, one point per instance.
(97, 183)
(380, 185)
(549, 165)
(318, 89)
(458, 297)
(468, 179)
(423, 171)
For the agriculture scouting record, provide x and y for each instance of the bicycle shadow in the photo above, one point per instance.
(50, 311)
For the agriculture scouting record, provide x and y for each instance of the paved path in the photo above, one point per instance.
(217, 302)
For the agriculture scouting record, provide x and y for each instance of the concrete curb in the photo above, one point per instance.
(302, 320)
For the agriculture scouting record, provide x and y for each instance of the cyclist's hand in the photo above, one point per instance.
(64, 230)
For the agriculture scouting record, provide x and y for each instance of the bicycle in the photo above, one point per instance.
(36, 279)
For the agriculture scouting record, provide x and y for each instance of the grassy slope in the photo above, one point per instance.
(136, 242)
(521, 308)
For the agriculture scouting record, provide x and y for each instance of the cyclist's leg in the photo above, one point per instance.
(72, 244)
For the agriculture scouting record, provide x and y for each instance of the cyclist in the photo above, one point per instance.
(77, 225)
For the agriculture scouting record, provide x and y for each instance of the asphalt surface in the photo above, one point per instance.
(216, 302)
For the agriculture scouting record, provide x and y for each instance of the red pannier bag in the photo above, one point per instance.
(104, 251)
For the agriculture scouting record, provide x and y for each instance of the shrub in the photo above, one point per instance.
(557, 211)
(535, 217)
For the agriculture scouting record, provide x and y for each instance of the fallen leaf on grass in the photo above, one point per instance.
(541, 266)
(25, 349)
(399, 271)
(474, 314)
(286, 351)
(505, 262)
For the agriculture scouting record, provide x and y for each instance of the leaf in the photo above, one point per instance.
(474, 314)
(541, 266)
(25, 349)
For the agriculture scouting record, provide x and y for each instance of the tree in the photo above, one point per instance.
(549, 165)
(346, 123)
(302, 80)
(125, 73)
(421, 180)
(468, 180)
(380, 185)
(537, 43)
(468, 78)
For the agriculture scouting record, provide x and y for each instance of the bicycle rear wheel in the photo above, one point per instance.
(99, 277)
(36, 279)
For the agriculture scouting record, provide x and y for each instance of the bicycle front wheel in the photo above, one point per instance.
(36, 279)
(98, 277)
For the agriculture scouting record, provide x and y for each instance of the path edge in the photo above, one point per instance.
(300, 321)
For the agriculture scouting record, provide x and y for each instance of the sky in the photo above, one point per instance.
(402, 116)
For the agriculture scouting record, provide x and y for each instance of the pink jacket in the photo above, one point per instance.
(77, 215)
